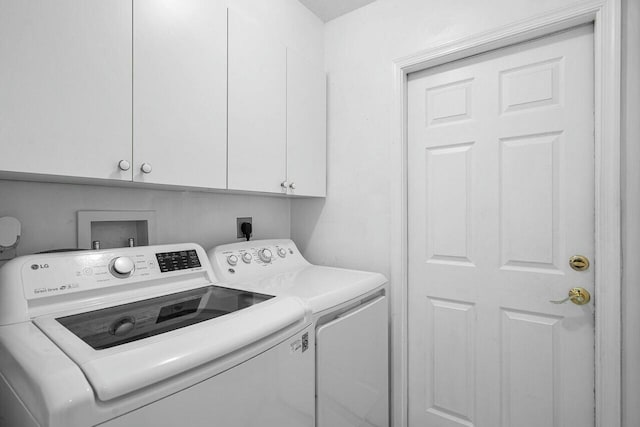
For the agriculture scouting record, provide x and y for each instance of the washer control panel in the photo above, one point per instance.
(47, 275)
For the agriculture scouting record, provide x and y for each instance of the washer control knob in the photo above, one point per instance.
(146, 168)
(246, 257)
(122, 267)
(122, 326)
(282, 253)
(265, 255)
(232, 259)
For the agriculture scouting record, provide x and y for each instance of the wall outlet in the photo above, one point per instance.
(239, 222)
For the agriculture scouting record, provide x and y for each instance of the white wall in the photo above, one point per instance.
(351, 228)
(48, 213)
(289, 20)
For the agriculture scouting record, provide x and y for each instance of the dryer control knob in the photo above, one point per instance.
(122, 267)
(232, 259)
(246, 257)
(282, 253)
(265, 255)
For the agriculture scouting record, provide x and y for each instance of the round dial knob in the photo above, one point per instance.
(122, 266)
(265, 255)
(146, 168)
(232, 259)
(124, 165)
(282, 253)
(122, 326)
(246, 257)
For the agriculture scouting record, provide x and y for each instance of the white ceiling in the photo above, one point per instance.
(330, 9)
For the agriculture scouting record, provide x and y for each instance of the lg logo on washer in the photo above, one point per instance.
(37, 266)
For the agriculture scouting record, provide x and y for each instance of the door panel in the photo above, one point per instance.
(501, 195)
(529, 205)
(449, 175)
(451, 356)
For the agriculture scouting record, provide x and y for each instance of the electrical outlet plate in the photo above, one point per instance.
(239, 222)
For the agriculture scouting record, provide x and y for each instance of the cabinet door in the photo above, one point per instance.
(257, 108)
(65, 87)
(306, 127)
(179, 103)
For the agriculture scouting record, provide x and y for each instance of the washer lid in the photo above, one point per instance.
(121, 368)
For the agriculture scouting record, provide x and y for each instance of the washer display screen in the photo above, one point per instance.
(180, 260)
(125, 323)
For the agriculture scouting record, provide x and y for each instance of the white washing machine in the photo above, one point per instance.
(350, 315)
(147, 337)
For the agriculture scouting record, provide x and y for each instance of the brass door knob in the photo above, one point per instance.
(578, 296)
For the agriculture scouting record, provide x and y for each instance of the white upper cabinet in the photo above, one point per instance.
(277, 117)
(175, 92)
(257, 108)
(65, 87)
(306, 127)
(180, 92)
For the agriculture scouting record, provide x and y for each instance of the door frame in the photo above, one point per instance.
(606, 17)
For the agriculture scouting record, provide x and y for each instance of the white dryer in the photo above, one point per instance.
(147, 337)
(350, 315)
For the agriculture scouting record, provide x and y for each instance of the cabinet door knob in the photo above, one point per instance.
(284, 184)
(292, 186)
(124, 165)
(146, 168)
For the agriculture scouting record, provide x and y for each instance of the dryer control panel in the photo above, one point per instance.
(246, 260)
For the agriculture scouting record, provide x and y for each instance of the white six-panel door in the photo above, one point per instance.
(501, 195)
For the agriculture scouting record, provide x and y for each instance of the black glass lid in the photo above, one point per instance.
(125, 323)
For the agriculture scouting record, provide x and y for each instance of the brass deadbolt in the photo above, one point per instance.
(579, 262)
